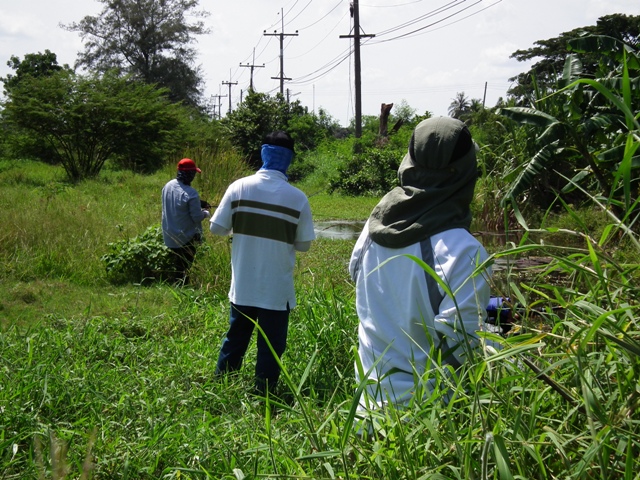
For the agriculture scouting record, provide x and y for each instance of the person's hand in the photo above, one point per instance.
(207, 214)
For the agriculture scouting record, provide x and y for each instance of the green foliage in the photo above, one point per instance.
(550, 54)
(140, 259)
(319, 167)
(20, 142)
(580, 126)
(220, 165)
(34, 65)
(371, 165)
(93, 371)
(87, 120)
(260, 114)
(147, 40)
(372, 172)
(403, 112)
(460, 106)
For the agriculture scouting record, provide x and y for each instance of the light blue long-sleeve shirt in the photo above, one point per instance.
(181, 214)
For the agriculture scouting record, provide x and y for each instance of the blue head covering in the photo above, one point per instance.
(277, 152)
(276, 158)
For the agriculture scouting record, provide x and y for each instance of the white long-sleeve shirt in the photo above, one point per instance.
(398, 327)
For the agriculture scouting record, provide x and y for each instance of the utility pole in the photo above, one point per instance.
(281, 35)
(252, 66)
(289, 95)
(355, 13)
(484, 98)
(229, 83)
(219, 97)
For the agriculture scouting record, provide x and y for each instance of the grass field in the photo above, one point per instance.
(115, 381)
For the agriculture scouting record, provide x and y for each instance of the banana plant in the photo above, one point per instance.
(593, 124)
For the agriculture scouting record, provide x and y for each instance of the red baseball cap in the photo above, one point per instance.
(188, 164)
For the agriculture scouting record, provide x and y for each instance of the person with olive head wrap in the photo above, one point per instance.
(408, 323)
(182, 214)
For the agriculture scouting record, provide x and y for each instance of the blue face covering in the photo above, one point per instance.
(276, 158)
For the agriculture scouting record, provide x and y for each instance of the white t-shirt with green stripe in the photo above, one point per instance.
(267, 216)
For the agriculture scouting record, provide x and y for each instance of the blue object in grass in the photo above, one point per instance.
(498, 310)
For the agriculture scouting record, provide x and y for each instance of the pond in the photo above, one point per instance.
(350, 230)
(338, 229)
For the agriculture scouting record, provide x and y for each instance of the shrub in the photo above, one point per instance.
(85, 121)
(142, 259)
(372, 172)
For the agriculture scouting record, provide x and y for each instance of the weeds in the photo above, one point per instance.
(116, 382)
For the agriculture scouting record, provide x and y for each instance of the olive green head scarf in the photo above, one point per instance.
(437, 179)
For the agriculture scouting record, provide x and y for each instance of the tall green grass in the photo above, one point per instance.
(117, 382)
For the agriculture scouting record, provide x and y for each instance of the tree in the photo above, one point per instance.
(148, 40)
(260, 114)
(403, 112)
(19, 142)
(34, 65)
(551, 55)
(87, 120)
(460, 105)
(590, 125)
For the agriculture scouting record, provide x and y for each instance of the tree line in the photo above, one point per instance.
(568, 126)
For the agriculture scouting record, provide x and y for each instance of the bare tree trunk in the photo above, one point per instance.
(385, 110)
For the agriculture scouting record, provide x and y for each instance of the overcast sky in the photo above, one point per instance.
(424, 51)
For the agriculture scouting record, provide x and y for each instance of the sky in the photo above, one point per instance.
(419, 53)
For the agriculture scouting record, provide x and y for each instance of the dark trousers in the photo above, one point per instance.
(183, 258)
(274, 323)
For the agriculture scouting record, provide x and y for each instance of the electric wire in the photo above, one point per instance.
(347, 54)
(322, 40)
(457, 12)
(390, 6)
(424, 16)
(323, 17)
(299, 13)
(416, 33)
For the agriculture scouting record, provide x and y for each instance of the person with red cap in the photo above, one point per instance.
(182, 214)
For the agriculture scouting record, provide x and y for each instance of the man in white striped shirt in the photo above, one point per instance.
(270, 220)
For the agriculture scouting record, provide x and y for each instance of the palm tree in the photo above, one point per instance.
(460, 105)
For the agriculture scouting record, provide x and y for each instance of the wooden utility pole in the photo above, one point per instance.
(289, 95)
(355, 13)
(229, 83)
(484, 98)
(219, 97)
(281, 35)
(252, 66)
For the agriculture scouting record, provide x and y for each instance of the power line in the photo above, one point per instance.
(430, 14)
(323, 17)
(323, 38)
(229, 83)
(391, 6)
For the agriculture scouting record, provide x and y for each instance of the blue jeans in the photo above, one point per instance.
(274, 323)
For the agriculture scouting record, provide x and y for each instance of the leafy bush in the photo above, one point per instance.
(140, 259)
(85, 121)
(260, 114)
(372, 172)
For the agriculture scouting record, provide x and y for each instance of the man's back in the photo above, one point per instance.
(267, 216)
